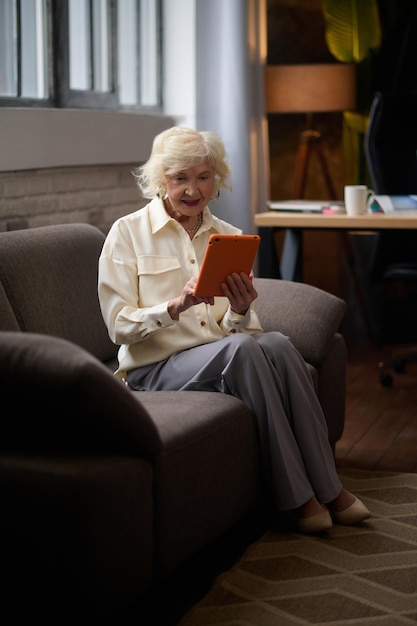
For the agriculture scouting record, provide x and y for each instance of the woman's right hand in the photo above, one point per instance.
(186, 300)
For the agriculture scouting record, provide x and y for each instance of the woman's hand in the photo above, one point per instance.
(186, 300)
(238, 289)
(240, 292)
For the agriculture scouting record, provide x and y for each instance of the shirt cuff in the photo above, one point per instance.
(232, 322)
(160, 316)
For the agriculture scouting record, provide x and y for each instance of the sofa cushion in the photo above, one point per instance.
(61, 397)
(208, 474)
(319, 315)
(49, 275)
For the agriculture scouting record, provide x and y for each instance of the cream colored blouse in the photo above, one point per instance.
(146, 260)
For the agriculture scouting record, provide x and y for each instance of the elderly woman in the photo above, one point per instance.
(171, 339)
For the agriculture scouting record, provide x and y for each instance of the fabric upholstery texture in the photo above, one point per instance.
(73, 539)
(306, 314)
(56, 293)
(66, 399)
(217, 438)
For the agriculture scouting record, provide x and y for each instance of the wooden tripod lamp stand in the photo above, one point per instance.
(310, 89)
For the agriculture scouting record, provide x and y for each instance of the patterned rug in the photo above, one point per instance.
(363, 576)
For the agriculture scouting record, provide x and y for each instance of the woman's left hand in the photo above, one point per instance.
(240, 292)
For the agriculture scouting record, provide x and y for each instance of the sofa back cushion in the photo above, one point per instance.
(49, 276)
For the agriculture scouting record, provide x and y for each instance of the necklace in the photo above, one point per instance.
(195, 228)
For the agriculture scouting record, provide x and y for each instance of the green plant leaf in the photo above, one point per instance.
(352, 28)
(354, 129)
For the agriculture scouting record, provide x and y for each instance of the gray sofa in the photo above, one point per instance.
(105, 492)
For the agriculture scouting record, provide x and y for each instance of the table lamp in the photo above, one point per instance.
(310, 89)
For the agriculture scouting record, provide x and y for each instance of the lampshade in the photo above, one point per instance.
(310, 88)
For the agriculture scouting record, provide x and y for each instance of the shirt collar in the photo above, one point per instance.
(158, 217)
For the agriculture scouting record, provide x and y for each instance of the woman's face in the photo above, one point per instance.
(189, 191)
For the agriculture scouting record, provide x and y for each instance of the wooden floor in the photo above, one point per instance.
(381, 422)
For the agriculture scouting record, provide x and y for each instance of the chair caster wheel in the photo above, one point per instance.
(386, 380)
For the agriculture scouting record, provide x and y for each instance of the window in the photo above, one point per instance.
(81, 53)
(139, 46)
(24, 75)
(90, 51)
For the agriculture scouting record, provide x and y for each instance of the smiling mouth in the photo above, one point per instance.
(191, 203)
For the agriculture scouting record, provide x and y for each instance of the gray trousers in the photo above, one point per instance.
(270, 376)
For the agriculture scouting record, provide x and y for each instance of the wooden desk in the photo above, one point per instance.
(370, 221)
(288, 267)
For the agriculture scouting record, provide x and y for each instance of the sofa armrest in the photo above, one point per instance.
(60, 397)
(308, 315)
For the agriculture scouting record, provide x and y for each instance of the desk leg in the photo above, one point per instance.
(292, 255)
(344, 235)
(269, 265)
(268, 261)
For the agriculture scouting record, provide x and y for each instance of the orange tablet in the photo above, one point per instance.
(225, 254)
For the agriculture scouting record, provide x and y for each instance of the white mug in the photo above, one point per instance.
(357, 199)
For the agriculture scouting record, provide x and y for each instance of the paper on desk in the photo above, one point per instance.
(397, 204)
(302, 206)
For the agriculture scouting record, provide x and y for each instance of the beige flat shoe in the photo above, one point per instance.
(315, 523)
(355, 513)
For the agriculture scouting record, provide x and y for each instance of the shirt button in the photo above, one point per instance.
(233, 331)
(192, 260)
(158, 323)
(202, 323)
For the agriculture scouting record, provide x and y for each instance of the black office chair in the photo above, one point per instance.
(391, 156)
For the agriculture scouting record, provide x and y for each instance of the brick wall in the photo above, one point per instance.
(96, 195)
